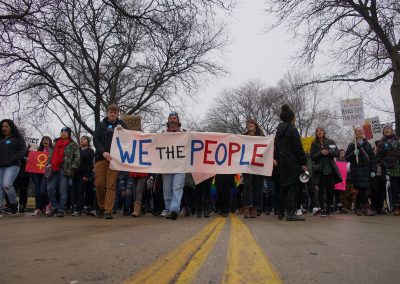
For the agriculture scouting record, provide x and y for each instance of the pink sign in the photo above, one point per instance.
(342, 166)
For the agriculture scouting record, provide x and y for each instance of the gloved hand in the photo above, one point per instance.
(372, 174)
(356, 152)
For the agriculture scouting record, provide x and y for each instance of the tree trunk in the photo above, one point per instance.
(395, 92)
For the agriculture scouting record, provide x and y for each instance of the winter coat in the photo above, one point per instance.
(71, 160)
(12, 151)
(102, 137)
(361, 172)
(86, 163)
(324, 165)
(388, 153)
(289, 154)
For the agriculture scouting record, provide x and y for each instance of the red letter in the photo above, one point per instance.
(232, 151)
(255, 155)
(206, 151)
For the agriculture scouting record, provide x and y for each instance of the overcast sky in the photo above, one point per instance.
(256, 54)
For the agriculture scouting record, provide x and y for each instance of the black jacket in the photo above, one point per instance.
(323, 165)
(86, 166)
(361, 172)
(12, 151)
(102, 137)
(289, 154)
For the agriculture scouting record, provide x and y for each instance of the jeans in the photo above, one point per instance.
(252, 191)
(7, 178)
(40, 184)
(62, 181)
(173, 191)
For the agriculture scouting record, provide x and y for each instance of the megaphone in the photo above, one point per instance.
(304, 177)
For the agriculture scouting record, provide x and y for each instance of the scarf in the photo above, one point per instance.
(57, 158)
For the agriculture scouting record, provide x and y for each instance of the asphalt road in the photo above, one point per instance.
(337, 249)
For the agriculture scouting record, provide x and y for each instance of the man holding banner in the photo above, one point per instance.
(173, 183)
(105, 178)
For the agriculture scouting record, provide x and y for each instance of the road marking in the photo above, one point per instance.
(247, 262)
(182, 263)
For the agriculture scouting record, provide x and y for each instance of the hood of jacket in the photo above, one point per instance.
(282, 129)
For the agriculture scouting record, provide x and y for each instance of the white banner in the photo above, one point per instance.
(352, 112)
(191, 152)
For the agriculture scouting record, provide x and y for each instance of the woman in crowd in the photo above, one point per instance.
(388, 157)
(63, 163)
(137, 185)
(362, 167)
(39, 181)
(12, 151)
(224, 184)
(203, 198)
(21, 183)
(291, 162)
(346, 196)
(83, 176)
(325, 172)
(253, 184)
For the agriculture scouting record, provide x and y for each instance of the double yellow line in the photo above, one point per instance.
(246, 261)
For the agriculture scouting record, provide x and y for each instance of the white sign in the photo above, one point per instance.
(191, 152)
(352, 112)
(33, 141)
(373, 129)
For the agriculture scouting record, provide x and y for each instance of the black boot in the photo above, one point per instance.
(294, 217)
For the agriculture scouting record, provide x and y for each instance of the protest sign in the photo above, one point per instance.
(352, 112)
(36, 162)
(191, 152)
(372, 129)
(307, 141)
(342, 166)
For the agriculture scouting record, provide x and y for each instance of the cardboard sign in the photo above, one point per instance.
(133, 122)
(372, 129)
(352, 112)
(36, 162)
(191, 152)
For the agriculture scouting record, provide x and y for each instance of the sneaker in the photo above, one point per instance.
(164, 213)
(174, 215)
(108, 216)
(6, 211)
(37, 212)
(324, 213)
(91, 212)
(51, 213)
(299, 212)
(99, 213)
(294, 217)
(60, 214)
(316, 210)
(76, 213)
(14, 209)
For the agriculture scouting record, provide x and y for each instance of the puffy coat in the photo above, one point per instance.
(361, 172)
(325, 164)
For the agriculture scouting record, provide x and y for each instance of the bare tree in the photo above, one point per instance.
(76, 57)
(363, 37)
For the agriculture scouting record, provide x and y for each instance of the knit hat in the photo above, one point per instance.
(388, 125)
(67, 129)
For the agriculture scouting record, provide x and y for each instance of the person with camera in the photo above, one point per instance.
(291, 162)
(324, 169)
(362, 161)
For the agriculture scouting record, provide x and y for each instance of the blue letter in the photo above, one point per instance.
(141, 152)
(242, 163)
(195, 149)
(125, 155)
(217, 152)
